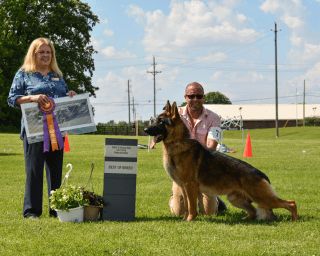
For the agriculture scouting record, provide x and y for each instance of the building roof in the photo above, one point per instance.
(264, 111)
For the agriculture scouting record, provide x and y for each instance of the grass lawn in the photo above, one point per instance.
(292, 163)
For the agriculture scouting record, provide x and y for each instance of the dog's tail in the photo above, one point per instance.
(261, 174)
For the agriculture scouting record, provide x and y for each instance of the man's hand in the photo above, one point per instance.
(212, 144)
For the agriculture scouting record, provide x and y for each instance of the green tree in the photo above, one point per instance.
(216, 98)
(213, 98)
(67, 23)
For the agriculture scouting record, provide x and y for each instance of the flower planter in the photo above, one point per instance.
(73, 215)
(91, 213)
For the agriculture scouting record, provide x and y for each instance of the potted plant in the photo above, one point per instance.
(94, 202)
(68, 200)
(93, 206)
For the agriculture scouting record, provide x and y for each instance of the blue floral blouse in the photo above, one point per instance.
(32, 83)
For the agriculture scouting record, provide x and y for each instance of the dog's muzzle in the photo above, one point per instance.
(158, 131)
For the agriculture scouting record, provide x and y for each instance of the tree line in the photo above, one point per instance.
(67, 23)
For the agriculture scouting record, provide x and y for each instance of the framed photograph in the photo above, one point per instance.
(74, 115)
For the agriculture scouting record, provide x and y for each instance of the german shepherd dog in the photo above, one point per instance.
(196, 169)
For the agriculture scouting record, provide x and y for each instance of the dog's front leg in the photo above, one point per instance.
(185, 202)
(191, 189)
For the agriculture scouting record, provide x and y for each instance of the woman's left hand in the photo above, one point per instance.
(72, 93)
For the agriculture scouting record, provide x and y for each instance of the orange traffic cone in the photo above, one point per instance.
(248, 149)
(66, 147)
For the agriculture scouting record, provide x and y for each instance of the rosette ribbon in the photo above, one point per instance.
(51, 131)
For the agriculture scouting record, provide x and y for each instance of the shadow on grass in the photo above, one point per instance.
(10, 154)
(229, 218)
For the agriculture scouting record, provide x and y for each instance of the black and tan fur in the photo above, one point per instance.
(196, 169)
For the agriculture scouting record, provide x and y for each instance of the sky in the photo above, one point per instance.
(226, 45)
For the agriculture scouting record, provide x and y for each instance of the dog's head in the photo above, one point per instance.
(161, 128)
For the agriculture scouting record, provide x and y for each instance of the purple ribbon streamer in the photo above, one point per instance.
(58, 133)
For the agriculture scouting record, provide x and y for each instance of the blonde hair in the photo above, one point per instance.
(29, 64)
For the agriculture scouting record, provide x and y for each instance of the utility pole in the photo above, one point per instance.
(133, 110)
(135, 120)
(276, 76)
(154, 72)
(304, 102)
(129, 101)
(296, 107)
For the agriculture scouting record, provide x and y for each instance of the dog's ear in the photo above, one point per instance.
(167, 107)
(174, 111)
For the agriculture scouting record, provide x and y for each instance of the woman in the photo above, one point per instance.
(38, 78)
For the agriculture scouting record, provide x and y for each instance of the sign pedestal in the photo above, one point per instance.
(120, 173)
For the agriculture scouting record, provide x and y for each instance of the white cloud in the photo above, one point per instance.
(283, 6)
(312, 78)
(96, 43)
(104, 21)
(112, 103)
(108, 32)
(192, 24)
(270, 6)
(292, 22)
(112, 52)
(136, 12)
(109, 83)
(250, 77)
(296, 40)
(313, 75)
(291, 12)
(216, 76)
(111, 98)
(306, 53)
(311, 51)
(212, 57)
(241, 18)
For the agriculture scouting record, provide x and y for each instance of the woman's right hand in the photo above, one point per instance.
(41, 99)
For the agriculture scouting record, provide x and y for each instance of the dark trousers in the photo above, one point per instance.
(35, 160)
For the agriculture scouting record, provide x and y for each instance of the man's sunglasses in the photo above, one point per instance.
(193, 96)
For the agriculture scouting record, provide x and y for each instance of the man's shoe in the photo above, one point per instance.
(221, 206)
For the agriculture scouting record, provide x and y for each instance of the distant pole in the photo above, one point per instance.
(133, 110)
(296, 107)
(154, 72)
(276, 76)
(129, 102)
(304, 102)
(241, 125)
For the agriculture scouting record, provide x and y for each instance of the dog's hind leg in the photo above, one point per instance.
(207, 204)
(266, 198)
(239, 200)
(275, 202)
(265, 214)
